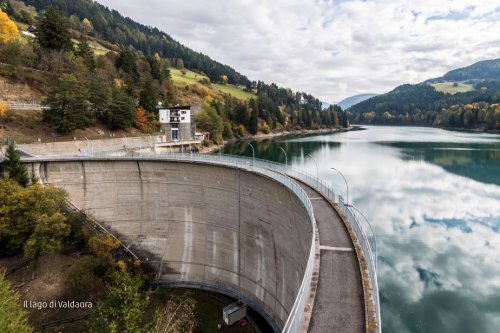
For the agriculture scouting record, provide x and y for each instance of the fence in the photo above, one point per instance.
(284, 175)
(11, 105)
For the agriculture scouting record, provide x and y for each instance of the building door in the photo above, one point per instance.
(175, 134)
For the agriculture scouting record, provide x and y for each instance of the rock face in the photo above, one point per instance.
(222, 228)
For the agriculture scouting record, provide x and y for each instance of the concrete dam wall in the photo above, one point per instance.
(231, 229)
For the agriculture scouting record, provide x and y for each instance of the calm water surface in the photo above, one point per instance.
(433, 197)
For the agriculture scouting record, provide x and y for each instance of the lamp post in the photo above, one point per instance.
(125, 141)
(286, 157)
(220, 147)
(253, 152)
(314, 160)
(346, 185)
(373, 233)
(88, 145)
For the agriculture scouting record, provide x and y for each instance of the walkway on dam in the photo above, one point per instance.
(338, 305)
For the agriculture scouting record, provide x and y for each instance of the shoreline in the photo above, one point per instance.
(261, 136)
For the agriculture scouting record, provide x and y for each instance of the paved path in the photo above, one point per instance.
(338, 306)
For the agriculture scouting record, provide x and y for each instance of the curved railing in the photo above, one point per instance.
(282, 174)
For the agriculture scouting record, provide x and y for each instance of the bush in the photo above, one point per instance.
(3, 109)
(81, 280)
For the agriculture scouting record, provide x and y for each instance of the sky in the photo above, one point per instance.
(330, 49)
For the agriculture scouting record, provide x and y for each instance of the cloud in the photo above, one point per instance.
(332, 49)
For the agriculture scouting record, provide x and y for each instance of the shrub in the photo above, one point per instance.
(81, 279)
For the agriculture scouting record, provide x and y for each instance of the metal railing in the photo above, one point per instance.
(284, 175)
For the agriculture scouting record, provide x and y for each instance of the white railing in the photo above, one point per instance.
(282, 174)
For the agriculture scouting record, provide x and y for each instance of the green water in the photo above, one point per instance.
(433, 197)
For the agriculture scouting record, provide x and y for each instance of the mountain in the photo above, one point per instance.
(350, 101)
(471, 102)
(111, 26)
(482, 70)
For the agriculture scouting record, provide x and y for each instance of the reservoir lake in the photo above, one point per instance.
(433, 199)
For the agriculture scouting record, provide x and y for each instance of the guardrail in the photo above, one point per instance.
(282, 174)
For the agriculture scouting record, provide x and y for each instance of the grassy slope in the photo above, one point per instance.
(191, 78)
(447, 87)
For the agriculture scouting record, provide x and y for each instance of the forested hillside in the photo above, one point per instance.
(482, 70)
(473, 103)
(93, 65)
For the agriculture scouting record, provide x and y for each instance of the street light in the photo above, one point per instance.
(346, 185)
(125, 141)
(253, 152)
(88, 145)
(286, 157)
(373, 233)
(220, 147)
(314, 160)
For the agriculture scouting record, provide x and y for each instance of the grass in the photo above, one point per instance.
(209, 311)
(448, 87)
(234, 91)
(95, 46)
(191, 78)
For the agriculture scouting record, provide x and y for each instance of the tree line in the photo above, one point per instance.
(421, 104)
(124, 87)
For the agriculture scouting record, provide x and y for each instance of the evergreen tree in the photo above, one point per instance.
(121, 112)
(53, 30)
(14, 167)
(126, 61)
(100, 94)
(253, 123)
(86, 53)
(148, 97)
(68, 106)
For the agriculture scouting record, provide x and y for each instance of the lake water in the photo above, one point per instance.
(433, 198)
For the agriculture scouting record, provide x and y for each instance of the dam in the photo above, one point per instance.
(279, 240)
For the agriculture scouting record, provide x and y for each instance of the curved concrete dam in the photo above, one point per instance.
(248, 232)
(199, 223)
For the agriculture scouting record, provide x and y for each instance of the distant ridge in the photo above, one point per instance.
(353, 100)
(482, 70)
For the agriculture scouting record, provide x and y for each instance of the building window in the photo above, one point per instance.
(175, 125)
(182, 118)
(183, 112)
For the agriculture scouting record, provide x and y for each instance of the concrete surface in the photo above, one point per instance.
(339, 302)
(199, 222)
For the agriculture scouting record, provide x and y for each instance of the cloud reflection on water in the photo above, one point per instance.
(436, 213)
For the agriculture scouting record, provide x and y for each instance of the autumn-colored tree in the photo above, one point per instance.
(141, 119)
(87, 26)
(31, 219)
(3, 109)
(8, 28)
(224, 79)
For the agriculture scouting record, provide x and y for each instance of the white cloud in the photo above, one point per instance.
(331, 49)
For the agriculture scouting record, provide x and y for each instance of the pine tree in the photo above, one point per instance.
(14, 167)
(53, 30)
(148, 97)
(69, 108)
(86, 53)
(121, 113)
(253, 123)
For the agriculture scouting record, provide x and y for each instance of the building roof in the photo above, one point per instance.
(185, 107)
